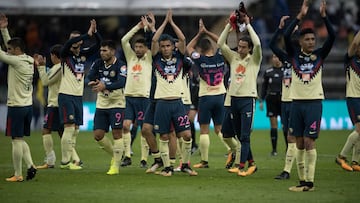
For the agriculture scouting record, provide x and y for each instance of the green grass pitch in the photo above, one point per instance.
(214, 184)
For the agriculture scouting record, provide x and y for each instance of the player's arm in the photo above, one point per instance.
(125, 40)
(3, 27)
(264, 87)
(9, 59)
(331, 33)
(282, 55)
(66, 48)
(50, 77)
(190, 48)
(158, 33)
(149, 28)
(92, 78)
(180, 35)
(121, 77)
(88, 51)
(257, 52)
(225, 49)
(290, 49)
(65, 51)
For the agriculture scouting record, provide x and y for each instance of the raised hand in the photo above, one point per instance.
(93, 83)
(39, 60)
(246, 19)
(3, 21)
(282, 21)
(202, 28)
(92, 28)
(304, 9)
(143, 23)
(169, 16)
(151, 21)
(323, 8)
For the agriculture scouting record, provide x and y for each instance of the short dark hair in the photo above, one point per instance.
(307, 31)
(165, 37)
(17, 42)
(247, 39)
(110, 43)
(56, 50)
(204, 44)
(141, 41)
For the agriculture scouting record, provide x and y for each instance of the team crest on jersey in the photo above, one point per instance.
(106, 73)
(83, 58)
(313, 57)
(195, 55)
(112, 73)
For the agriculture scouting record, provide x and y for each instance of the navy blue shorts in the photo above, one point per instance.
(285, 114)
(211, 107)
(18, 122)
(52, 119)
(70, 109)
(135, 109)
(227, 129)
(169, 115)
(150, 112)
(187, 108)
(273, 105)
(305, 118)
(353, 106)
(104, 118)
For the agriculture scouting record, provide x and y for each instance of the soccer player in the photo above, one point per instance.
(271, 92)
(352, 65)
(19, 101)
(244, 67)
(52, 79)
(169, 110)
(71, 90)
(137, 89)
(210, 63)
(285, 103)
(107, 77)
(307, 93)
